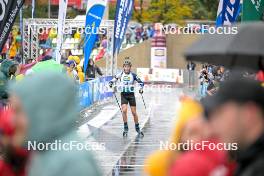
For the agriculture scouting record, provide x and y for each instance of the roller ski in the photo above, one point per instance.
(139, 132)
(125, 132)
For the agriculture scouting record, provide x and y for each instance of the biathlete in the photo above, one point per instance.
(128, 79)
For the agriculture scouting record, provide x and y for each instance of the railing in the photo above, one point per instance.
(94, 91)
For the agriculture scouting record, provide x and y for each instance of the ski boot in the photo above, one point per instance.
(125, 130)
(140, 133)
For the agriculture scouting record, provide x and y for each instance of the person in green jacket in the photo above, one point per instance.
(48, 103)
(7, 72)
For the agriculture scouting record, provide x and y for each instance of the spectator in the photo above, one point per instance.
(150, 31)
(92, 69)
(80, 74)
(128, 37)
(206, 161)
(212, 87)
(72, 73)
(144, 35)
(138, 35)
(191, 68)
(204, 81)
(186, 123)
(104, 42)
(48, 103)
(8, 70)
(5, 50)
(15, 158)
(237, 116)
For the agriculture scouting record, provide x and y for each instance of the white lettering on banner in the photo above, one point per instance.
(10, 20)
(95, 16)
(230, 9)
(3, 4)
(125, 20)
(256, 3)
(119, 20)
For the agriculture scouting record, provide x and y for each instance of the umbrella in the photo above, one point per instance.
(244, 49)
(49, 65)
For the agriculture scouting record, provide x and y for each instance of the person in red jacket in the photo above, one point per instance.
(13, 158)
(203, 162)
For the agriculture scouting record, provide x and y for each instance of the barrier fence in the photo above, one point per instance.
(94, 91)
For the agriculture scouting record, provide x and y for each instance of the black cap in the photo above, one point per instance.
(236, 89)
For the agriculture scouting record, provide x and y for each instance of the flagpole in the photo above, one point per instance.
(49, 9)
(33, 8)
(21, 33)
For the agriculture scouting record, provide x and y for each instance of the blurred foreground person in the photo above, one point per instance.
(238, 117)
(14, 157)
(48, 104)
(160, 162)
(7, 72)
(206, 159)
(191, 129)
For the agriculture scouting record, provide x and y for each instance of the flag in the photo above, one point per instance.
(253, 10)
(61, 23)
(8, 13)
(124, 9)
(100, 54)
(94, 16)
(228, 11)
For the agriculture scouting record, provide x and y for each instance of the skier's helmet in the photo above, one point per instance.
(127, 62)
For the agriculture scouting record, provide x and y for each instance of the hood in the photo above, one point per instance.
(5, 65)
(50, 102)
(189, 110)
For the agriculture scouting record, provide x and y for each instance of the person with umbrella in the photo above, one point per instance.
(237, 117)
(242, 50)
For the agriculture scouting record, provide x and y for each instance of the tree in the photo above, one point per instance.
(138, 14)
(198, 9)
(167, 11)
(211, 7)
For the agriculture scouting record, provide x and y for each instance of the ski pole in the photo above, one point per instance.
(143, 101)
(118, 103)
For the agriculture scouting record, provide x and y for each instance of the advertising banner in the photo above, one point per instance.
(253, 10)
(124, 9)
(9, 10)
(158, 57)
(94, 16)
(160, 75)
(228, 11)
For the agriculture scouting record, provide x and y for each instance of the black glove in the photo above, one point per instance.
(141, 91)
(110, 84)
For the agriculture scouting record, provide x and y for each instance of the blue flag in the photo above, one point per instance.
(228, 11)
(95, 12)
(124, 9)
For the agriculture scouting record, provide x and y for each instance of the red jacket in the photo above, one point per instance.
(14, 163)
(17, 164)
(202, 163)
(260, 76)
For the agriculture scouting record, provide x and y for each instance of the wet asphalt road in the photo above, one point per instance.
(125, 156)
